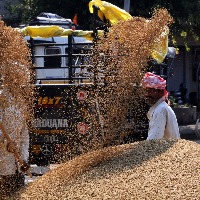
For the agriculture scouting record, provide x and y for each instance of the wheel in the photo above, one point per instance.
(197, 128)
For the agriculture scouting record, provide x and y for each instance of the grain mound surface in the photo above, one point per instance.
(157, 169)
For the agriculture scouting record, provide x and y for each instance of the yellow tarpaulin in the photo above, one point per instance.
(44, 31)
(111, 12)
(55, 31)
(87, 34)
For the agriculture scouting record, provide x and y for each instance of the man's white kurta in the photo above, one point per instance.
(162, 121)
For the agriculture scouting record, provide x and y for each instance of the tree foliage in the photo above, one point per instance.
(186, 13)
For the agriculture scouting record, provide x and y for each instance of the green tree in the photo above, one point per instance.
(186, 14)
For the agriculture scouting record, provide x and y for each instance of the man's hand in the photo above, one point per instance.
(11, 147)
(24, 167)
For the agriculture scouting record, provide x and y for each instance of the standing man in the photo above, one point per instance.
(162, 119)
(11, 172)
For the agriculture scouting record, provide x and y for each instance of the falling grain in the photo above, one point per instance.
(16, 74)
(16, 90)
(124, 55)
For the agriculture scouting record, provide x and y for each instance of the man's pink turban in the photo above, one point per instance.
(151, 80)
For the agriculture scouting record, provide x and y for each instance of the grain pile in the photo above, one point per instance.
(123, 56)
(156, 169)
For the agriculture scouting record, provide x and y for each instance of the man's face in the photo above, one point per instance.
(152, 95)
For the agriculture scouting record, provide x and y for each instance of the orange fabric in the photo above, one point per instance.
(75, 19)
